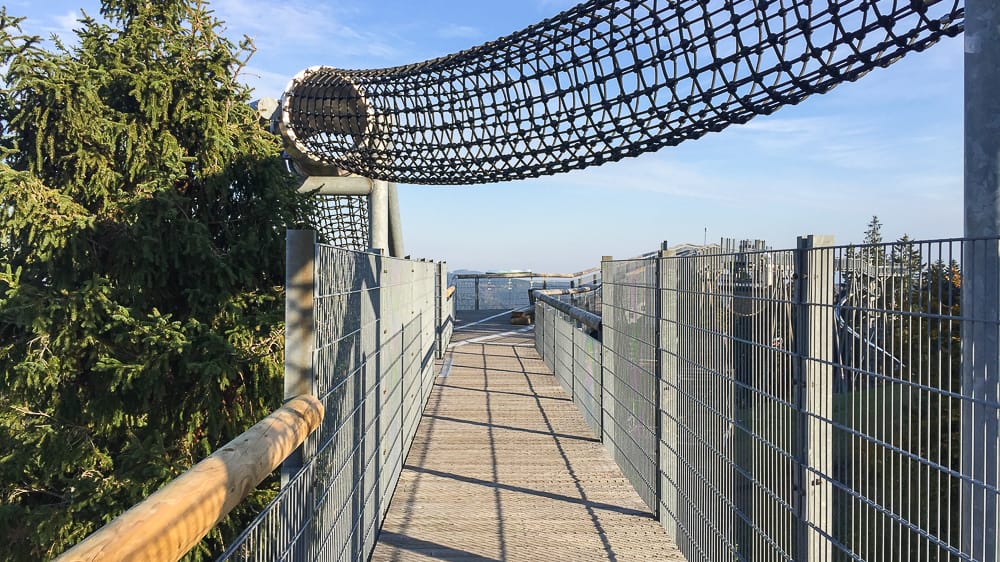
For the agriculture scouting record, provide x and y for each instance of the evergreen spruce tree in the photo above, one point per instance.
(142, 218)
(873, 254)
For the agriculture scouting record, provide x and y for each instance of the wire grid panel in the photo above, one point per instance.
(373, 369)
(564, 351)
(576, 356)
(494, 293)
(901, 425)
(630, 377)
(587, 390)
(551, 317)
(814, 407)
(602, 81)
(729, 423)
(541, 310)
(445, 306)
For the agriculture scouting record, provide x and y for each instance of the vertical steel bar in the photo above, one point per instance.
(743, 474)
(668, 402)
(605, 314)
(378, 216)
(439, 288)
(300, 290)
(980, 285)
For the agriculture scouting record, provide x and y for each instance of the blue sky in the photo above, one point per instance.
(889, 145)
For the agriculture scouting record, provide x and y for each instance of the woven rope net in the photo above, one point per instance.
(597, 83)
(343, 221)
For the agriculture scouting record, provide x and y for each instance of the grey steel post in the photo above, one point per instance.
(667, 405)
(981, 282)
(658, 383)
(438, 310)
(378, 217)
(605, 313)
(443, 318)
(395, 225)
(477, 293)
(300, 285)
(744, 471)
(813, 395)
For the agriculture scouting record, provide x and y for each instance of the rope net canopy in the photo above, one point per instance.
(599, 82)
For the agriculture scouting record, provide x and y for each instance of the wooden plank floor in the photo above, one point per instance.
(503, 467)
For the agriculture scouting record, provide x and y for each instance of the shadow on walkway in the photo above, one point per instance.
(503, 467)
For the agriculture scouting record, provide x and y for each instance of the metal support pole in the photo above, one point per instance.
(658, 383)
(300, 284)
(395, 225)
(669, 384)
(981, 282)
(813, 396)
(336, 185)
(378, 217)
(744, 474)
(605, 313)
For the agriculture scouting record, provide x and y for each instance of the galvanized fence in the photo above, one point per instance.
(444, 302)
(368, 337)
(574, 356)
(818, 403)
(506, 291)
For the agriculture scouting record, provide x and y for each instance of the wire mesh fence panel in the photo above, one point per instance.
(729, 475)
(373, 370)
(550, 339)
(898, 429)
(629, 372)
(564, 352)
(813, 404)
(541, 311)
(466, 294)
(576, 356)
(587, 389)
(444, 304)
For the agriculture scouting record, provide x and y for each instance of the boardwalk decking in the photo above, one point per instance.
(503, 467)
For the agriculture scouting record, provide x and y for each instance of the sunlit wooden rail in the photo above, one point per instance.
(167, 524)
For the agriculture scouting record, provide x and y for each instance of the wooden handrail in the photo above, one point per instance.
(167, 524)
(449, 292)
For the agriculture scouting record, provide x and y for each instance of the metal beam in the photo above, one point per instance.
(582, 316)
(336, 185)
(557, 292)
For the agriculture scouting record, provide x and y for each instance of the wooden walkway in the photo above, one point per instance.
(503, 467)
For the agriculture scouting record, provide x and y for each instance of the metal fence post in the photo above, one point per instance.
(658, 383)
(605, 314)
(440, 282)
(980, 294)
(668, 383)
(300, 288)
(813, 396)
(572, 359)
